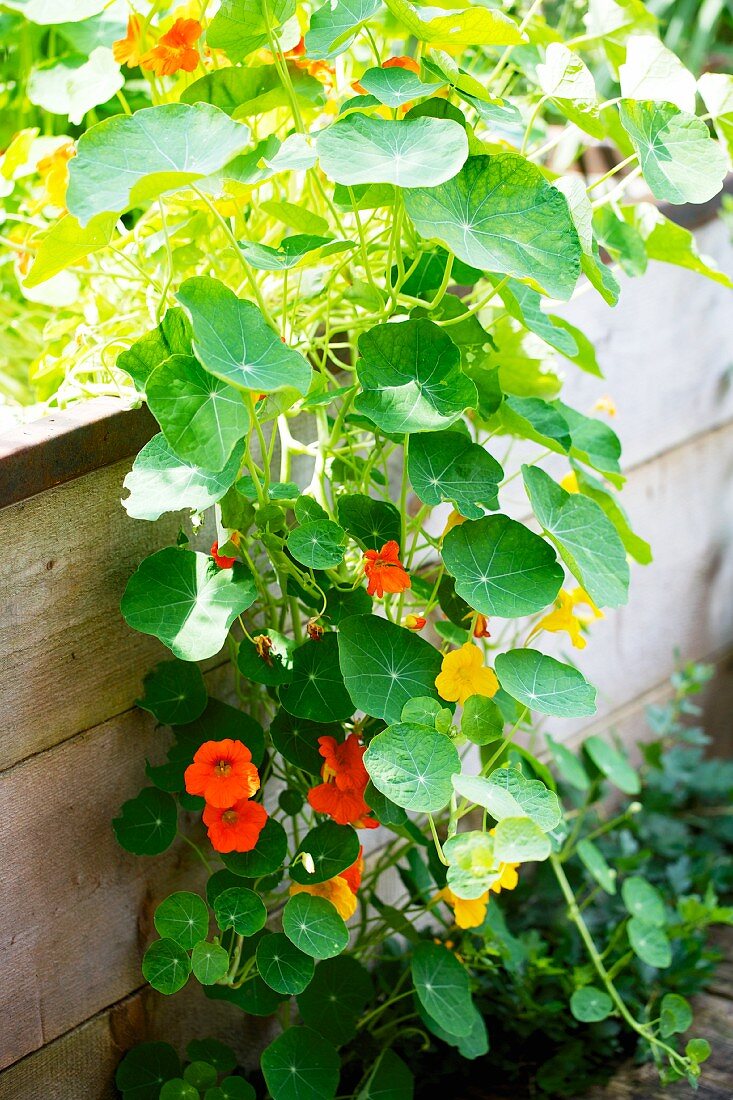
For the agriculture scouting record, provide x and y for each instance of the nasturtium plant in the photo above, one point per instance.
(329, 247)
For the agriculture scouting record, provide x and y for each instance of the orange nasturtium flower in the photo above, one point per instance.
(221, 560)
(175, 50)
(384, 570)
(126, 51)
(341, 794)
(565, 617)
(235, 828)
(463, 674)
(481, 627)
(223, 772)
(414, 622)
(340, 891)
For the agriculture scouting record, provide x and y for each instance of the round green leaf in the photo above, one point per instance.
(519, 840)
(370, 522)
(501, 567)
(413, 766)
(472, 867)
(314, 926)
(391, 1079)
(318, 544)
(75, 84)
(282, 965)
(297, 740)
(644, 901)
(128, 160)
(235, 1088)
(234, 342)
(587, 540)
(334, 1000)
(240, 909)
(200, 1074)
(675, 1015)
(178, 1089)
(332, 847)
(649, 943)
(292, 252)
(442, 987)
(395, 87)
(420, 152)
(590, 1005)
(509, 793)
(679, 159)
(183, 917)
(217, 1054)
(161, 482)
(276, 669)
(174, 692)
(500, 214)
(239, 29)
(254, 997)
(300, 1065)
(613, 764)
(166, 966)
(698, 1050)
(202, 418)
(265, 858)
(147, 824)
(385, 665)
(448, 466)
(185, 600)
(333, 26)
(481, 721)
(317, 691)
(209, 962)
(145, 1068)
(544, 684)
(410, 373)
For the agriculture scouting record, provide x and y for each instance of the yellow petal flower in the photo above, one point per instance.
(336, 890)
(455, 519)
(469, 913)
(570, 482)
(463, 674)
(564, 617)
(508, 878)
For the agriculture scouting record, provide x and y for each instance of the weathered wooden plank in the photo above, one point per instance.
(76, 911)
(69, 661)
(82, 1063)
(62, 446)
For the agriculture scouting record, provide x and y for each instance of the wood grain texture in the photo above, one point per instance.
(69, 661)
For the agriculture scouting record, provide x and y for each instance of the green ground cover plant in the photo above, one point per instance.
(328, 248)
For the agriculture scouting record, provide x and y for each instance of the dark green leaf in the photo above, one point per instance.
(147, 824)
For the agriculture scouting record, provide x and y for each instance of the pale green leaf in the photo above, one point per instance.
(543, 684)
(411, 153)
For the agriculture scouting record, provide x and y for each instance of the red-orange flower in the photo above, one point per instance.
(353, 874)
(402, 62)
(341, 795)
(340, 891)
(126, 51)
(221, 560)
(384, 570)
(223, 772)
(414, 622)
(175, 50)
(236, 828)
(481, 627)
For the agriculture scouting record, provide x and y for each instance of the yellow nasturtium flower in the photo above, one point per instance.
(471, 912)
(463, 674)
(336, 890)
(570, 482)
(455, 519)
(565, 617)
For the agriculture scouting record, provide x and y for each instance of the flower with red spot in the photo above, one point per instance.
(384, 570)
(235, 828)
(341, 795)
(176, 49)
(223, 772)
(414, 622)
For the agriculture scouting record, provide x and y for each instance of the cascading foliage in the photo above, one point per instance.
(341, 228)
